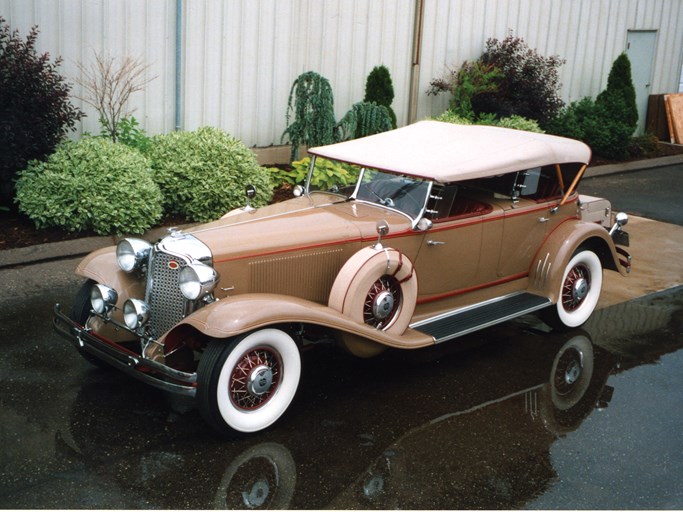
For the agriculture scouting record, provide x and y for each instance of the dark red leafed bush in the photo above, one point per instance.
(35, 112)
(529, 85)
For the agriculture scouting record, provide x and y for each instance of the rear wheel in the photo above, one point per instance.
(247, 384)
(579, 292)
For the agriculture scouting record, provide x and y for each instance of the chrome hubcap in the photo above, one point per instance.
(255, 378)
(569, 370)
(382, 302)
(576, 287)
(260, 380)
(572, 373)
(580, 289)
(383, 305)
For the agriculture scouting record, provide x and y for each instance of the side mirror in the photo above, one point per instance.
(382, 230)
(250, 192)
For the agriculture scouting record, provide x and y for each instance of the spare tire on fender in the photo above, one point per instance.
(378, 287)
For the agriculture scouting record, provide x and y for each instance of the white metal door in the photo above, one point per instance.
(640, 48)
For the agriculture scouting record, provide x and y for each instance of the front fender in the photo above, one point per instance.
(101, 266)
(548, 265)
(233, 316)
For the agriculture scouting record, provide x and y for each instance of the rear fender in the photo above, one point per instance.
(548, 265)
(233, 316)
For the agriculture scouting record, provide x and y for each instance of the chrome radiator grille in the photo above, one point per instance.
(167, 305)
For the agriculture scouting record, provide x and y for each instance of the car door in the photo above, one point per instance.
(528, 219)
(448, 259)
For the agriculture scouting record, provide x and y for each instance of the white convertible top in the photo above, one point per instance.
(448, 152)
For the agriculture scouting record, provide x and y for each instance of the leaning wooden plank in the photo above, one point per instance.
(674, 115)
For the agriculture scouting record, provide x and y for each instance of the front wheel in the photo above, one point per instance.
(247, 384)
(579, 292)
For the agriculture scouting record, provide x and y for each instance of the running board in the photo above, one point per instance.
(479, 316)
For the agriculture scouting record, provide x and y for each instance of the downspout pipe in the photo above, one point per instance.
(415, 61)
(178, 59)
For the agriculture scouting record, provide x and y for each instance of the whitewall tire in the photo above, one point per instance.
(579, 291)
(247, 384)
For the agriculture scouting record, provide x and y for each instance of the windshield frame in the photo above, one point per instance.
(354, 196)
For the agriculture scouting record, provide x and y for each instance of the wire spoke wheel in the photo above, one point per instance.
(579, 291)
(576, 287)
(246, 384)
(382, 302)
(255, 378)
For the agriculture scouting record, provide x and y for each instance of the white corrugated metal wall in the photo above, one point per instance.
(77, 29)
(588, 34)
(240, 57)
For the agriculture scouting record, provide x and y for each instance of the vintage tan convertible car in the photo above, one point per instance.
(443, 230)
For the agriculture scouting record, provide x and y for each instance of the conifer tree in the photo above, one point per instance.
(620, 96)
(312, 103)
(380, 90)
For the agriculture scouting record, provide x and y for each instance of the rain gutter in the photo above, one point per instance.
(415, 64)
(178, 58)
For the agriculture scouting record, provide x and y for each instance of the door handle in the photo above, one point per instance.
(435, 242)
(543, 219)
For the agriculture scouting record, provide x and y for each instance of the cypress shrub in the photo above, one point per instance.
(619, 98)
(379, 89)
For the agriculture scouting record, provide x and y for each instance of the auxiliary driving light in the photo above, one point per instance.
(102, 298)
(135, 313)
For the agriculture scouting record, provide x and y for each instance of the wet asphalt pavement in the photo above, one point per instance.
(500, 419)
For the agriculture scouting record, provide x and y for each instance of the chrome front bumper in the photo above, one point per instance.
(135, 365)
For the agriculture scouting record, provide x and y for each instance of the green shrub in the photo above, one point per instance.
(128, 132)
(643, 145)
(571, 120)
(519, 123)
(312, 103)
(473, 79)
(380, 90)
(203, 174)
(93, 184)
(364, 119)
(594, 123)
(35, 111)
(326, 174)
(513, 122)
(451, 116)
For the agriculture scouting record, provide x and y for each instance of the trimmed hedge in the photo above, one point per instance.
(93, 184)
(203, 174)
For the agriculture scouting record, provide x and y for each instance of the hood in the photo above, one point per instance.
(304, 222)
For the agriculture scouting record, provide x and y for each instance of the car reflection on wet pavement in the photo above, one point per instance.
(511, 417)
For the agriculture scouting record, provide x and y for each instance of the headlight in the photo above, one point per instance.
(135, 313)
(131, 253)
(196, 280)
(103, 298)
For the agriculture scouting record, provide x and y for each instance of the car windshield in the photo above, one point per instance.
(399, 192)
